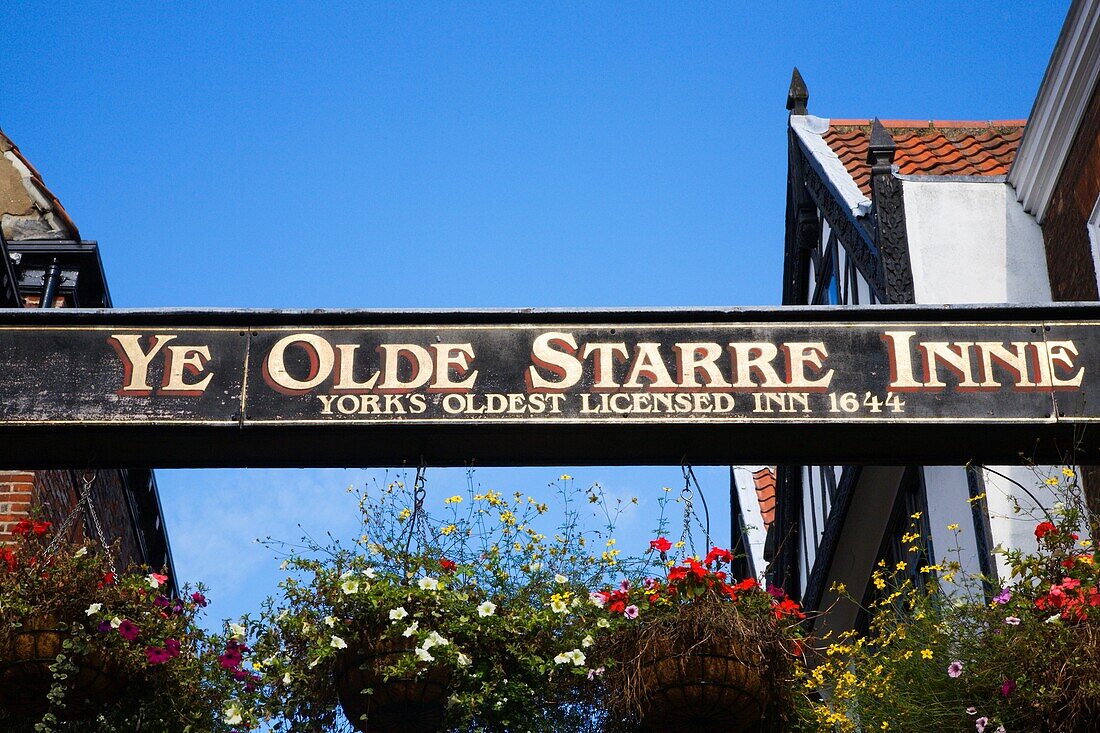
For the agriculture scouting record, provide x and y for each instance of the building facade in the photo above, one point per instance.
(44, 263)
(934, 212)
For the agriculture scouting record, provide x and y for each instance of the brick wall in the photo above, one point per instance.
(1069, 252)
(52, 496)
(16, 493)
(1065, 234)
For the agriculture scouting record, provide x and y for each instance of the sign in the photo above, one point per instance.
(679, 384)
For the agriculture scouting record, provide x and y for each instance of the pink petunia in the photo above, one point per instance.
(981, 723)
(631, 611)
(955, 669)
(128, 630)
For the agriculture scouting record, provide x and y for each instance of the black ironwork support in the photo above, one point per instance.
(888, 215)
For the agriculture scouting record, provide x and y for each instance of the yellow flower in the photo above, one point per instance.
(916, 515)
(565, 477)
(405, 514)
(926, 653)
(447, 530)
(953, 527)
(1068, 472)
(900, 566)
(456, 499)
(979, 497)
(1052, 481)
(880, 583)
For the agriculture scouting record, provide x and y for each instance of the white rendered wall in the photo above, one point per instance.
(973, 243)
(948, 504)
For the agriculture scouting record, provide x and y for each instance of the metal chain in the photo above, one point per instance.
(85, 501)
(417, 520)
(687, 496)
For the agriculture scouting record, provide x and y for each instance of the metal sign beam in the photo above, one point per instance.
(883, 384)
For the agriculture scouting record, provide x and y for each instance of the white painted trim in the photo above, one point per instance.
(1059, 106)
(809, 130)
(1094, 239)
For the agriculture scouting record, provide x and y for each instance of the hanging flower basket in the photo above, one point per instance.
(401, 704)
(26, 677)
(700, 688)
(692, 652)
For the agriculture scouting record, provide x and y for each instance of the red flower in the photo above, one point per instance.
(660, 545)
(22, 527)
(1042, 530)
(717, 553)
(40, 528)
(128, 630)
(746, 584)
(9, 558)
(787, 607)
(199, 600)
(155, 655)
(447, 565)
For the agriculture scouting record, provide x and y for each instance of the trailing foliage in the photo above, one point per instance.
(150, 663)
(486, 599)
(941, 658)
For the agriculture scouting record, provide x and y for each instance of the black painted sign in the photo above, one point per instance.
(781, 371)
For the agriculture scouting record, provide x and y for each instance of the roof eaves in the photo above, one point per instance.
(809, 130)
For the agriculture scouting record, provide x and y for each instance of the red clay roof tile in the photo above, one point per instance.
(764, 481)
(930, 147)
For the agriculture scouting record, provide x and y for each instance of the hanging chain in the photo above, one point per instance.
(417, 520)
(82, 504)
(687, 496)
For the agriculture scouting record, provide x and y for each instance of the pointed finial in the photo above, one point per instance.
(880, 149)
(797, 95)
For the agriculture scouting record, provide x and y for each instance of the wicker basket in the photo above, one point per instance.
(25, 676)
(704, 689)
(399, 705)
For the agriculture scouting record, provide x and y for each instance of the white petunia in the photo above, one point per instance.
(558, 606)
(93, 609)
(338, 643)
(561, 579)
(411, 629)
(81, 552)
(488, 608)
(116, 622)
(603, 623)
(350, 586)
(398, 613)
(423, 655)
(232, 715)
(434, 639)
(462, 660)
(330, 621)
(562, 658)
(576, 657)
(237, 630)
(587, 641)
(428, 584)
(369, 573)
(286, 678)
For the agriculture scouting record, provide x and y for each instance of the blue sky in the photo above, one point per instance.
(452, 155)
